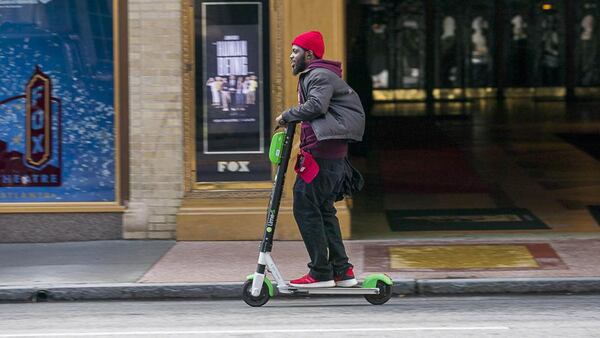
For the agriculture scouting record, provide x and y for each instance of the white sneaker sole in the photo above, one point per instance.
(348, 283)
(324, 284)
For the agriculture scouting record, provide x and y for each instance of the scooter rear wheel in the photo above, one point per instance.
(385, 293)
(262, 298)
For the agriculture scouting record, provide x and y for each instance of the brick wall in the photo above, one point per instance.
(155, 123)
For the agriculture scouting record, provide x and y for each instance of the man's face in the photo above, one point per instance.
(298, 60)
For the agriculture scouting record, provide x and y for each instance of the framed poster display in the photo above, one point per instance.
(59, 121)
(232, 119)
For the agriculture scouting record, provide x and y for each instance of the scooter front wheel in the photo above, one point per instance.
(385, 293)
(260, 300)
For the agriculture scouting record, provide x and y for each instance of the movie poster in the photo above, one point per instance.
(57, 118)
(232, 83)
(231, 129)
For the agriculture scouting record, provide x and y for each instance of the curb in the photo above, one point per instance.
(507, 286)
(120, 291)
(157, 291)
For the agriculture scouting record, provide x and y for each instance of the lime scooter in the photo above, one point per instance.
(258, 289)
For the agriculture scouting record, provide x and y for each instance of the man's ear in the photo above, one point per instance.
(309, 55)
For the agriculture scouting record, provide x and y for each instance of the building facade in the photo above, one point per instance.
(159, 184)
(151, 119)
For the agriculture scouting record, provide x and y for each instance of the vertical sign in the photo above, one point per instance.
(232, 118)
(40, 164)
(38, 117)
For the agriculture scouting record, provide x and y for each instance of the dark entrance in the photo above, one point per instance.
(467, 102)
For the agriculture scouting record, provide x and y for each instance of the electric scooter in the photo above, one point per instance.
(258, 288)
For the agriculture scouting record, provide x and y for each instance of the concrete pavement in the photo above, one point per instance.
(477, 264)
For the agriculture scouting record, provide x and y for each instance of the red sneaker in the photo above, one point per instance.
(346, 280)
(308, 281)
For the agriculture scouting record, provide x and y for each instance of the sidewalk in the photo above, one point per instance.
(473, 264)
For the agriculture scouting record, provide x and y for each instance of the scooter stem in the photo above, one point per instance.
(277, 190)
(271, 221)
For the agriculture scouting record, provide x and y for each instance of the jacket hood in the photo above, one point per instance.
(333, 66)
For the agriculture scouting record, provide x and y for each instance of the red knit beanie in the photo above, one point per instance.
(312, 40)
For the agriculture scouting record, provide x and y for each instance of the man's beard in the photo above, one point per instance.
(299, 67)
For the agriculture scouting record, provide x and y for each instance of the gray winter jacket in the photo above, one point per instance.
(332, 107)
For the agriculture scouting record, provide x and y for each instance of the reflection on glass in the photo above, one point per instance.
(588, 52)
(519, 56)
(410, 61)
(550, 60)
(550, 65)
(409, 35)
(378, 51)
(587, 24)
(410, 56)
(480, 56)
(518, 28)
(448, 54)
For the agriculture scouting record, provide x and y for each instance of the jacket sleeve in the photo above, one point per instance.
(320, 91)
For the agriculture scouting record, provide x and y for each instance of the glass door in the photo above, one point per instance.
(464, 49)
(396, 44)
(534, 46)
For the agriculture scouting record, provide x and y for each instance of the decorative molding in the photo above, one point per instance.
(230, 194)
(277, 52)
(58, 207)
(188, 91)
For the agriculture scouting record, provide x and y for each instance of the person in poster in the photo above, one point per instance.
(332, 115)
(251, 85)
(215, 91)
(225, 94)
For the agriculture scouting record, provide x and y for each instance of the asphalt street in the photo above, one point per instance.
(489, 316)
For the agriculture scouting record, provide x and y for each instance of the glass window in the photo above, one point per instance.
(57, 127)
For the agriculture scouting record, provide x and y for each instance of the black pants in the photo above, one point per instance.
(315, 214)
